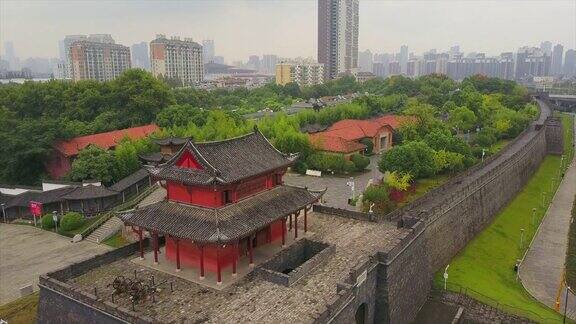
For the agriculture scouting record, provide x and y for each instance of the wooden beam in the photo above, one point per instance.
(283, 231)
(141, 243)
(296, 225)
(305, 219)
(234, 258)
(177, 255)
(250, 252)
(218, 266)
(155, 238)
(202, 262)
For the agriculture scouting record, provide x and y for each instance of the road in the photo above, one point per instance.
(27, 252)
(338, 191)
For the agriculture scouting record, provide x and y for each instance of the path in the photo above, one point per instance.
(338, 191)
(27, 252)
(542, 268)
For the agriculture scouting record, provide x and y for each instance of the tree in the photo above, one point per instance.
(181, 115)
(416, 158)
(94, 163)
(397, 180)
(379, 195)
(462, 119)
(360, 162)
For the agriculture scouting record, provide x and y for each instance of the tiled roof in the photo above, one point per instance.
(334, 143)
(224, 224)
(393, 120)
(130, 180)
(226, 161)
(171, 141)
(89, 192)
(45, 197)
(107, 140)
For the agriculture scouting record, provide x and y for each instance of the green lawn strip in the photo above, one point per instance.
(486, 264)
(116, 240)
(22, 310)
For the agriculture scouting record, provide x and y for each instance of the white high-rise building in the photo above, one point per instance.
(177, 59)
(208, 51)
(338, 36)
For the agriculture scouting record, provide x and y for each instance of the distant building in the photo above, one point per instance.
(338, 36)
(379, 69)
(269, 62)
(403, 58)
(570, 63)
(303, 73)
(208, 51)
(140, 57)
(556, 63)
(177, 59)
(97, 58)
(531, 62)
(219, 59)
(394, 68)
(364, 76)
(253, 62)
(546, 47)
(365, 61)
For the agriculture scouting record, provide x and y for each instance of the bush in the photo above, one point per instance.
(300, 166)
(71, 221)
(47, 221)
(379, 195)
(360, 162)
(328, 162)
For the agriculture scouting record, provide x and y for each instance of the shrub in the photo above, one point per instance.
(47, 221)
(485, 137)
(360, 162)
(416, 158)
(300, 166)
(379, 195)
(328, 162)
(71, 221)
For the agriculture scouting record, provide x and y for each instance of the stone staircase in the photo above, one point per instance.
(109, 228)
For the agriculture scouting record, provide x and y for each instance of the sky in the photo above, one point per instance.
(288, 28)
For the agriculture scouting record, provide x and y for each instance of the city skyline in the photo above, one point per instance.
(384, 26)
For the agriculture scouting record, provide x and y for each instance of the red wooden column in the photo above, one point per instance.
(250, 252)
(305, 219)
(141, 242)
(177, 255)
(296, 225)
(201, 262)
(155, 238)
(234, 259)
(290, 225)
(283, 231)
(218, 265)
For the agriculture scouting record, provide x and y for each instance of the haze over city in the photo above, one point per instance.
(288, 28)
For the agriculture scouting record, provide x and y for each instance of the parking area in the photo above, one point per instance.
(26, 252)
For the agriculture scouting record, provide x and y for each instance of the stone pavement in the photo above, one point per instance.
(26, 252)
(542, 268)
(338, 191)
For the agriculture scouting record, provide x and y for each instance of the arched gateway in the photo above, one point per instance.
(224, 200)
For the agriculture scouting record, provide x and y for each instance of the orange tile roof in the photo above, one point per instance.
(337, 144)
(106, 141)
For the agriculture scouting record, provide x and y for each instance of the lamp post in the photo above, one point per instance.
(521, 238)
(446, 276)
(55, 219)
(4, 212)
(543, 197)
(483, 153)
(533, 216)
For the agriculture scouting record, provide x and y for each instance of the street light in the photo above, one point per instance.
(446, 276)
(55, 219)
(521, 238)
(543, 197)
(533, 216)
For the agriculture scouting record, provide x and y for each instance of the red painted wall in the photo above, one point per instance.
(187, 160)
(190, 254)
(199, 196)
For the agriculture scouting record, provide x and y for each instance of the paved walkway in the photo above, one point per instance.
(338, 191)
(541, 271)
(27, 252)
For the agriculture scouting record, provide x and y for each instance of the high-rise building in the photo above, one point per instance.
(303, 73)
(338, 36)
(546, 47)
(208, 50)
(98, 58)
(570, 63)
(64, 48)
(403, 58)
(253, 62)
(140, 57)
(219, 59)
(531, 62)
(379, 69)
(394, 68)
(268, 65)
(557, 53)
(365, 61)
(177, 59)
(10, 56)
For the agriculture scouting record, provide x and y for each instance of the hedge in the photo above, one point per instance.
(71, 221)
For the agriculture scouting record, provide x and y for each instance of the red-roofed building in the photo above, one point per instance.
(66, 151)
(345, 136)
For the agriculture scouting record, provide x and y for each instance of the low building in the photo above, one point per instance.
(65, 151)
(348, 136)
(364, 76)
(303, 73)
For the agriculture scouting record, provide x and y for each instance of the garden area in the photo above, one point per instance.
(485, 268)
(69, 224)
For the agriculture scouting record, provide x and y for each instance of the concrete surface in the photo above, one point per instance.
(543, 265)
(27, 252)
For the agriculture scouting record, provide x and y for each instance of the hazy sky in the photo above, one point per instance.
(288, 27)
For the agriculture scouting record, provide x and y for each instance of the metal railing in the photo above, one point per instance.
(126, 205)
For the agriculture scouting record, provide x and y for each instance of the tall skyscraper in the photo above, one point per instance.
(140, 58)
(546, 47)
(269, 62)
(557, 53)
(9, 55)
(64, 48)
(253, 62)
(403, 58)
(570, 63)
(208, 50)
(365, 61)
(338, 36)
(177, 59)
(98, 59)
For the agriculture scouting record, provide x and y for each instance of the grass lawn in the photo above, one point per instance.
(486, 264)
(22, 310)
(116, 241)
(425, 185)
